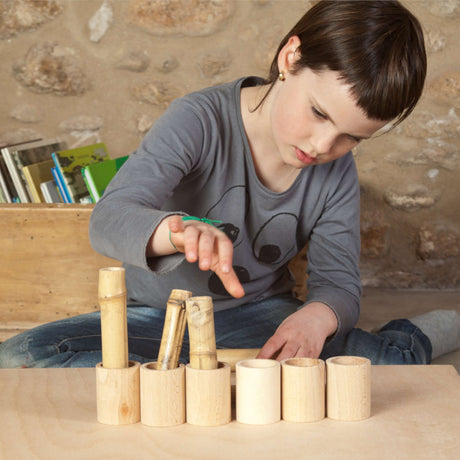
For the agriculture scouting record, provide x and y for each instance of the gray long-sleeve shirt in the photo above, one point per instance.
(196, 161)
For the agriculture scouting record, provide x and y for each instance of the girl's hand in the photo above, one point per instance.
(301, 334)
(210, 247)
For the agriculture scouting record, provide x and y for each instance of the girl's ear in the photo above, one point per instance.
(289, 54)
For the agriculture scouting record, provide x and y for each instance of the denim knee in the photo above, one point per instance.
(405, 343)
(14, 352)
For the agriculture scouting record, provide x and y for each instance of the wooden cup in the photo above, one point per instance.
(348, 388)
(208, 395)
(162, 395)
(117, 394)
(303, 395)
(258, 391)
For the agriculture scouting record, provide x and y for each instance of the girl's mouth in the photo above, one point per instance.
(304, 157)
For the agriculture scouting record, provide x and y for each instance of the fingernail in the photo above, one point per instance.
(225, 268)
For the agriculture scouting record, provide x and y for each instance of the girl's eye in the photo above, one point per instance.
(318, 114)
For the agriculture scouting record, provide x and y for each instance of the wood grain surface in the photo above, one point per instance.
(51, 413)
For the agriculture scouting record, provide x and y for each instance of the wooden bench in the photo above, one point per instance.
(48, 270)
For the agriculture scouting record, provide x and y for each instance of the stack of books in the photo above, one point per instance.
(46, 171)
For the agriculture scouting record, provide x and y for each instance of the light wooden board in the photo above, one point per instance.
(51, 413)
(48, 270)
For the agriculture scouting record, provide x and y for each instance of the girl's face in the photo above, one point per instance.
(314, 118)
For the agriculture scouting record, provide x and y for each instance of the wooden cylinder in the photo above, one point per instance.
(173, 330)
(208, 395)
(118, 394)
(348, 388)
(202, 335)
(114, 326)
(303, 395)
(258, 391)
(162, 395)
(234, 355)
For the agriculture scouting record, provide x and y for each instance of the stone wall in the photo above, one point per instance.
(88, 70)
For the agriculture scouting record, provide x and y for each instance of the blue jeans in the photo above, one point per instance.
(76, 342)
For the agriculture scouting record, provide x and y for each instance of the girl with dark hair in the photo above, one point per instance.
(234, 180)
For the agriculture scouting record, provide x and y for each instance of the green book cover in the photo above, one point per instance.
(70, 163)
(98, 175)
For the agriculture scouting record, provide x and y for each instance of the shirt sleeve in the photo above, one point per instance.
(128, 213)
(334, 249)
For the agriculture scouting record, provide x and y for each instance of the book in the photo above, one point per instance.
(16, 157)
(6, 186)
(35, 174)
(60, 185)
(50, 192)
(98, 175)
(6, 183)
(69, 164)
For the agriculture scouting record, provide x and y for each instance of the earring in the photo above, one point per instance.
(281, 76)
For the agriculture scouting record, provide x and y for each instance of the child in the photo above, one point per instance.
(234, 180)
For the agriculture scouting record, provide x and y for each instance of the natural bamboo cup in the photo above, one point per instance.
(162, 395)
(348, 388)
(117, 394)
(258, 395)
(202, 335)
(208, 395)
(303, 394)
(173, 330)
(114, 328)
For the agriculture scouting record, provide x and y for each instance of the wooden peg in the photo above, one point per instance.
(202, 335)
(234, 355)
(348, 388)
(114, 327)
(173, 330)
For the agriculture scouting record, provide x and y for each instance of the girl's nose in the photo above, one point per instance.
(322, 141)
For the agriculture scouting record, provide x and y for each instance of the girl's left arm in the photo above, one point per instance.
(333, 301)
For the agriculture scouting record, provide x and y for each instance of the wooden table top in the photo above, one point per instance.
(51, 414)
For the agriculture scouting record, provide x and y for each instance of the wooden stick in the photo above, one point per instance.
(173, 330)
(202, 335)
(233, 355)
(114, 324)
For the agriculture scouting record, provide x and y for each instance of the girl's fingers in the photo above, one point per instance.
(225, 251)
(271, 347)
(175, 223)
(212, 249)
(231, 283)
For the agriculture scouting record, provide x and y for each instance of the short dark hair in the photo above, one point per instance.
(376, 46)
